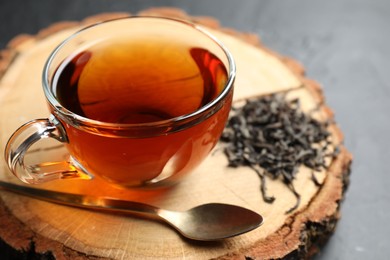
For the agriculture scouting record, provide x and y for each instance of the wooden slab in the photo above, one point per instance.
(32, 227)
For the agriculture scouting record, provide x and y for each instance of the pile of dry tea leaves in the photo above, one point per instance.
(274, 137)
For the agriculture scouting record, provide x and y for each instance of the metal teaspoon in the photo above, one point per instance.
(207, 222)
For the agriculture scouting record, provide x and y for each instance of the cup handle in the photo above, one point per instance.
(30, 133)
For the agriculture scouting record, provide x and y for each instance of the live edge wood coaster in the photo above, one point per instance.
(32, 228)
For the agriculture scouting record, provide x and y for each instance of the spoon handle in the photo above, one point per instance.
(83, 201)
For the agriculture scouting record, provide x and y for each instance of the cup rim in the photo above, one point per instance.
(211, 107)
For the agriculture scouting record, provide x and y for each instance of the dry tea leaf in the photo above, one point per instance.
(274, 137)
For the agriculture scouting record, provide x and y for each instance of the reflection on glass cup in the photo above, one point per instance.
(137, 101)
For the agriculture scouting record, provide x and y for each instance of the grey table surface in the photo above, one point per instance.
(344, 45)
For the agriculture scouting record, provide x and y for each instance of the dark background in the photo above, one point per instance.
(343, 44)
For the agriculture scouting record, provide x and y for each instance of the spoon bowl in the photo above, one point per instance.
(212, 221)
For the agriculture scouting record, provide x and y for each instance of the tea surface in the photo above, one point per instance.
(138, 81)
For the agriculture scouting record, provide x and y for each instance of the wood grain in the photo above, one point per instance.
(66, 233)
